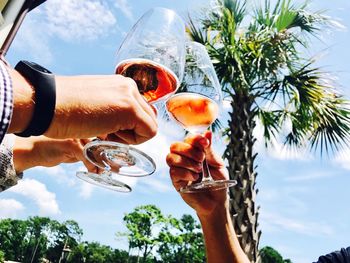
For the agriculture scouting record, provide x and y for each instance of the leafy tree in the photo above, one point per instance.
(164, 237)
(35, 238)
(181, 241)
(270, 255)
(13, 238)
(67, 233)
(142, 223)
(260, 60)
(2, 256)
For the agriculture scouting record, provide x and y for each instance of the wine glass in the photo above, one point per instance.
(153, 54)
(196, 106)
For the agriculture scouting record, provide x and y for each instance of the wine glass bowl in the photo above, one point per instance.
(153, 54)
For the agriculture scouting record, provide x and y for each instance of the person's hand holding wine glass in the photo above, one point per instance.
(196, 106)
(153, 55)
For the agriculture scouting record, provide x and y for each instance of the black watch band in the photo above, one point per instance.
(43, 82)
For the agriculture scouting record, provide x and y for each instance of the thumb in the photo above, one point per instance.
(213, 159)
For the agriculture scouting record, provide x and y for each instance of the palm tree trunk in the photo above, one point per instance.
(242, 197)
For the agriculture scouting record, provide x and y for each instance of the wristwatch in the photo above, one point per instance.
(43, 82)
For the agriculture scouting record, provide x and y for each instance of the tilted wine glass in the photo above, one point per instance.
(196, 106)
(153, 54)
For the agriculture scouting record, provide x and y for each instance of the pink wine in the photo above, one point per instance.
(153, 80)
(193, 111)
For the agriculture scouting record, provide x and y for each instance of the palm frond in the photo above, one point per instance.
(236, 9)
(321, 116)
(331, 131)
(270, 123)
(196, 33)
(286, 16)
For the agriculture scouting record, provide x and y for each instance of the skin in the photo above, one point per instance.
(185, 162)
(89, 106)
(47, 152)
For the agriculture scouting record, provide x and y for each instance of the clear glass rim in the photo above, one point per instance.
(119, 145)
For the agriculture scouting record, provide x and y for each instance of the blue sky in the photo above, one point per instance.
(303, 199)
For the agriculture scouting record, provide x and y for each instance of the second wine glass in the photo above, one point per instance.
(196, 106)
(153, 55)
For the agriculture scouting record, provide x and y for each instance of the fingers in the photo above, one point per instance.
(198, 147)
(213, 159)
(188, 151)
(116, 137)
(146, 126)
(180, 161)
(198, 141)
(150, 110)
(182, 177)
(186, 160)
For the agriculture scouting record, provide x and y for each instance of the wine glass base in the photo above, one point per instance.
(211, 185)
(104, 180)
(119, 158)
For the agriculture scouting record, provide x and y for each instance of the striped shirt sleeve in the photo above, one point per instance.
(6, 100)
(8, 176)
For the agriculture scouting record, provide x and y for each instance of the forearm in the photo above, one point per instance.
(23, 102)
(220, 239)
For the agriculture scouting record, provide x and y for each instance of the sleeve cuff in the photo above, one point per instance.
(8, 175)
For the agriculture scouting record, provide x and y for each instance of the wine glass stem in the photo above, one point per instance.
(206, 173)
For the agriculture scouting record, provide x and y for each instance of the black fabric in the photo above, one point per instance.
(342, 256)
(44, 85)
(34, 3)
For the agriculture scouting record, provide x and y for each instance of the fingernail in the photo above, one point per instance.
(204, 141)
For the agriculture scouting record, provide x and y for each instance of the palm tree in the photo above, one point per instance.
(261, 62)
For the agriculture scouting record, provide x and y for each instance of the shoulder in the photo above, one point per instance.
(341, 256)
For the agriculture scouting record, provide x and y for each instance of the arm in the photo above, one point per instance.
(185, 160)
(29, 152)
(43, 151)
(220, 238)
(88, 106)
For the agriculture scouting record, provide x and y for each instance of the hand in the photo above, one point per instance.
(185, 160)
(89, 106)
(43, 151)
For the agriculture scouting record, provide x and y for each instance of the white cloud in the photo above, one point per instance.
(79, 19)
(272, 221)
(70, 20)
(155, 184)
(343, 159)
(292, 197)
(310, 176)
(63, 174)
(33, 39)
(277, 149)
(86, 190)
(9, 208)
(124, 6)
(37, 191)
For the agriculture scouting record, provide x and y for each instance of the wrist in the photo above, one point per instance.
(221, 211)
(23, 103)
(68, 107)
(23, 154)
